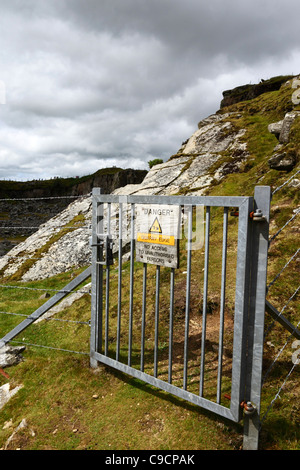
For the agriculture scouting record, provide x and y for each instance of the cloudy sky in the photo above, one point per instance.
(88, 84)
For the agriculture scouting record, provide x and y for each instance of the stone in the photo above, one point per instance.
(6, 393)
(282, 161)
(11, 355)
(275, 128)
(286, 126)
(281, 129)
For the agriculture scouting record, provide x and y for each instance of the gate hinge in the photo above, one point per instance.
(248, 407)
(257, 216)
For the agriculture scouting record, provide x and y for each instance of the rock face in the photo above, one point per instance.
(282, 159)
(282, 128)
(248, 92)
(62, 243)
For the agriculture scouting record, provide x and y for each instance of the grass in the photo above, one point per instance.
(68, 405)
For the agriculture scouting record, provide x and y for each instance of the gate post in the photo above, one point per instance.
(97, 278)
(256, 318)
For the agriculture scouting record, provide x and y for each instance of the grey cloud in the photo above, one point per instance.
(100, 82)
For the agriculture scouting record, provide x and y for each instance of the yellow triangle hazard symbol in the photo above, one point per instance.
(155, 227)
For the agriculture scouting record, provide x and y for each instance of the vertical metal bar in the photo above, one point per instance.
(97, 279)
(143, 315)
(205, 288)
(222, 303)
(119, 280)
(187, 303)
(243, 267)
(260, 237)
(107, 285)
(156, 320)
(131, 283)
(172, 276)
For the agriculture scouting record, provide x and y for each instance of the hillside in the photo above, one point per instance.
(246, 143)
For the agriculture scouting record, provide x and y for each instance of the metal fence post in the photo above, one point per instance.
(258, 285)
(97, 278)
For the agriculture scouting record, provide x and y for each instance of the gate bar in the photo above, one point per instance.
(170, 388)
(222, 302)
(107, 284)
(172, 282)
(97, 276)
(131, 284)
(188, 286)
(205, 288)
(259, 259)
(156, 320)
(143, 315)
(119, 279)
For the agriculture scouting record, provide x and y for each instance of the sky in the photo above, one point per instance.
(91, 84)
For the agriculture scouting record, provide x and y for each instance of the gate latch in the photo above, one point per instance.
(257, 216)
(106, 243)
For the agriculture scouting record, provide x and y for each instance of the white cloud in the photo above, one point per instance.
(92, 83)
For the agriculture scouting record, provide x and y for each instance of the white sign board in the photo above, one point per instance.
(157, 234)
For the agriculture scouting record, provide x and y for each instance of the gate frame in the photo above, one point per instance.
(251, 276)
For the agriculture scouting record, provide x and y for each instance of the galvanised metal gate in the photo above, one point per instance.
(222, 372)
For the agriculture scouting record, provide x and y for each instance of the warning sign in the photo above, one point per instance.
(155, 227)
(157, 234)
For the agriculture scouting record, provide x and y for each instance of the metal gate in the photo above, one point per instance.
(205, 316)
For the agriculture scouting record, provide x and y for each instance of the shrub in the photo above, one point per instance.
(156, 161)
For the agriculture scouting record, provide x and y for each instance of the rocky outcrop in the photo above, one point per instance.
(281, 129)
(284, 158)
(249, 92)
(62, 243)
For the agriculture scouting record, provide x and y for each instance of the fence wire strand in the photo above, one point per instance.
(284, 267)
(285, 225)
(44, 198)
(285, 183)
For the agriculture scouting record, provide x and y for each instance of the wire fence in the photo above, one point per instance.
(12, 286)
(286, 230)
(278, 394)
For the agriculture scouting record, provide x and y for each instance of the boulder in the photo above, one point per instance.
(11, 355)
(285, 161)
